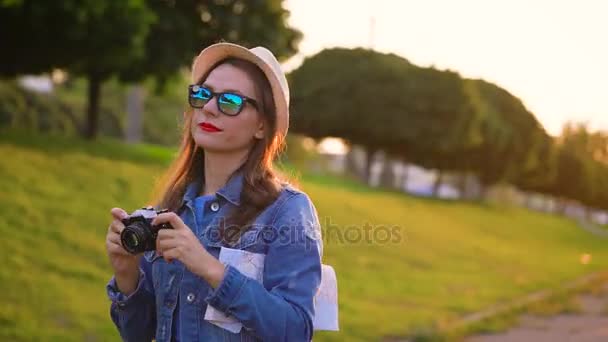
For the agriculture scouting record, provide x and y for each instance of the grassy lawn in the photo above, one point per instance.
(440, 260)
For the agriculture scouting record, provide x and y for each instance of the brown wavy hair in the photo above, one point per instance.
(261, 182)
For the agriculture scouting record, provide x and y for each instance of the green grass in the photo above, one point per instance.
(56, 145)
(445, 259)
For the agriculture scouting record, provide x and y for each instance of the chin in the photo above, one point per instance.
(209, 144)
(204, 143)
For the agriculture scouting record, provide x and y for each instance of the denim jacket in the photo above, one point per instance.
(281, 308)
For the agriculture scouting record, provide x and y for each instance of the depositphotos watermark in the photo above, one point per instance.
(366, 233)
(328, 232)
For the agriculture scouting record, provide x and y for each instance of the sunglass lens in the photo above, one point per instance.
(199, 96)
(230, 104)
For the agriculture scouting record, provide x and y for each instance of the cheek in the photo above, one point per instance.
(242, 127)
(193, 121)
(237, 136)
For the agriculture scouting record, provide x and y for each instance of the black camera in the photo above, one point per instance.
(139, 234)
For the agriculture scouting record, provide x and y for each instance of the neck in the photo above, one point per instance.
(218, 169)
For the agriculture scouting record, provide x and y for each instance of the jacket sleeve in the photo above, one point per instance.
(282, 308)
(134, 315)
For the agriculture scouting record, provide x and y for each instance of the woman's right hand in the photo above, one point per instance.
(125, 264)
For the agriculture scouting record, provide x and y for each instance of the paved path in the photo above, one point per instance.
(589, 325)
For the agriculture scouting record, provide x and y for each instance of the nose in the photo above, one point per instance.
(210, 108)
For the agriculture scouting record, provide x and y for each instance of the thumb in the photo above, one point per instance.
(118, 213)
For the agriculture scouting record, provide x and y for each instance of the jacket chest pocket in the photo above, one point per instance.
(250, 240)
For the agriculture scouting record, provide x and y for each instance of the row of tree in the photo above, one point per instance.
(132, 39)
(439, 120)
(430, 117)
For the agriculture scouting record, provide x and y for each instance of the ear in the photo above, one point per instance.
(259, 133)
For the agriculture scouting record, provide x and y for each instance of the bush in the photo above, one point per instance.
(22, 109)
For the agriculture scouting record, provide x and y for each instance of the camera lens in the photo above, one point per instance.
(135, 238)
(131, 240)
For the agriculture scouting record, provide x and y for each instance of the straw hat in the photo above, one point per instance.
(259, 56)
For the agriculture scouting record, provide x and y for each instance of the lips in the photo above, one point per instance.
(205, 126)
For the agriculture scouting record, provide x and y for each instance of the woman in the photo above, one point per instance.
(223, 196)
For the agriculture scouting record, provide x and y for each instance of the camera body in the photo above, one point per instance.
(139, 234)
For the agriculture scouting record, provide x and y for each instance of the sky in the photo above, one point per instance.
(553, 55)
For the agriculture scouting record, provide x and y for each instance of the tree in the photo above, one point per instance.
(444, 126)
(183, 28)
(86, 37)
(511, 135)
(382, 102)
(436, 119)
(348, 93)
(540, 176)
(582, 173)
(132, 39)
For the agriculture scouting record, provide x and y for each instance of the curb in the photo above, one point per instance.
(526, 300)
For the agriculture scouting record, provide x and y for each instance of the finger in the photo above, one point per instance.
(114, 249)
(171, 218)
(165, 234)
(118, 213)
(163, 245)
(171, 254)
(117, 249)
(116, 226)
(114, 238)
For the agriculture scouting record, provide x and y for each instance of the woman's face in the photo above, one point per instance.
(237, 132)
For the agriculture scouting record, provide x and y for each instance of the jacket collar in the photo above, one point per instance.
(231, 191)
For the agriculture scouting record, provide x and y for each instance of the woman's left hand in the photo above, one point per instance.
(180, 243)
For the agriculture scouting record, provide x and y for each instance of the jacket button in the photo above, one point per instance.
(215, 206)
(190, 297)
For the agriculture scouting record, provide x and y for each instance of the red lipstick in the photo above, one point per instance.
(207, 127)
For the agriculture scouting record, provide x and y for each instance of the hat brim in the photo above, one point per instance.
(213, 54)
